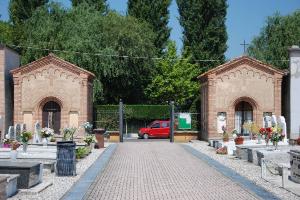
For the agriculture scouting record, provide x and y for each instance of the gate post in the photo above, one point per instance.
(121, 115)
(172, 119)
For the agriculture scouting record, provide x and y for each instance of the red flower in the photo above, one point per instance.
(262, 130)
(269, 130)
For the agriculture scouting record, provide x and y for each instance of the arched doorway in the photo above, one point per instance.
(51, 116)
(243, 114)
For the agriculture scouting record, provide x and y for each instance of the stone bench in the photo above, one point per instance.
(30, 172)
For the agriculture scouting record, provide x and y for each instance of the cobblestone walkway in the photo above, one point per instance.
(160, 170)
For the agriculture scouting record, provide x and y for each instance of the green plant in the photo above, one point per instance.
(89, 139)
(68, 133)
(25, 136)
(81, 152)
(52, 139)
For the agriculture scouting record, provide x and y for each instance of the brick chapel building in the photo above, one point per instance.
(243, 89)
(50, 90)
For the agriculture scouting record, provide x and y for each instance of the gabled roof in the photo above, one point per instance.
(241, 60)
(51, 59)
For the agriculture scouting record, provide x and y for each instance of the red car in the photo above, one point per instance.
(157, 129)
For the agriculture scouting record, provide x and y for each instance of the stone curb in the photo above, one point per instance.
(234, 176)
(79, 189)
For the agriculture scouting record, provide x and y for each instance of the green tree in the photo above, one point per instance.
(5, 32)
(279, 33)
(100, 5)
(82, 29)
(204, 30)
(21, 10)
(176, 79)
(155, 13)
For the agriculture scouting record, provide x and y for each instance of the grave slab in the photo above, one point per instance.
(11, 184)
(30, 172)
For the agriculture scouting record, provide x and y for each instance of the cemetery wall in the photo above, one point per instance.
(9, 60)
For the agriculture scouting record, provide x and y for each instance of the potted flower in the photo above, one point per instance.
(6, 143)
(25, 137)
(88, 127)
(14, 146)
(239, 138)
(68, 133)
(46, 133)
(225, 134)
(89, 140)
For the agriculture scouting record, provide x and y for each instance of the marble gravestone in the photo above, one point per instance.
(11, 133)
(17, 131)
(37, 133)
(221, 122)
(274, 121)
(282, 124)
(267, 121)
(23, 128)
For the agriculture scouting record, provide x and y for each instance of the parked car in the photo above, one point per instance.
(156, 129)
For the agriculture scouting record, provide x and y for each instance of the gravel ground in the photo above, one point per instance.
(244, 168)
(61, 184)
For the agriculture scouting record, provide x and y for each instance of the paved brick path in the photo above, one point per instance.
(160, 170)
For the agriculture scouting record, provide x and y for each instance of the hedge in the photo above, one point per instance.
(136, 112)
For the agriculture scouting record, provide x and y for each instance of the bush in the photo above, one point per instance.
(82, 152)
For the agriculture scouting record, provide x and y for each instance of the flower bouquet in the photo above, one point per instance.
(25, 137)
(88, 127)
(266, 133)
(47, 132)
(6, 143)
(276, 136)
(15, 145)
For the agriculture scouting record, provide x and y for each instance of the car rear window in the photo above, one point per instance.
(164, 124)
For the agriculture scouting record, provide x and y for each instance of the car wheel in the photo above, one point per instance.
(146, 136)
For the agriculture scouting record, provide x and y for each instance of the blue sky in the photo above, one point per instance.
(244, 18)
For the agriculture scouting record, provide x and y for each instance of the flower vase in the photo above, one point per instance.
(45, 142)
(275, 143)
(13, 154)
(25, 146)
(258, 139)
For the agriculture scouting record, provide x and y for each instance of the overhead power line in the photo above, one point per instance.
(118, 56)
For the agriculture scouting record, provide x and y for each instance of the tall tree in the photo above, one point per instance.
(176, 79)
(105, 39)
(21, 10)
(5, 32)
(156, 13)
(278, 34)
(100, 5)
(204, 30)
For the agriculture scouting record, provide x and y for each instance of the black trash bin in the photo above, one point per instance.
(66, 158)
